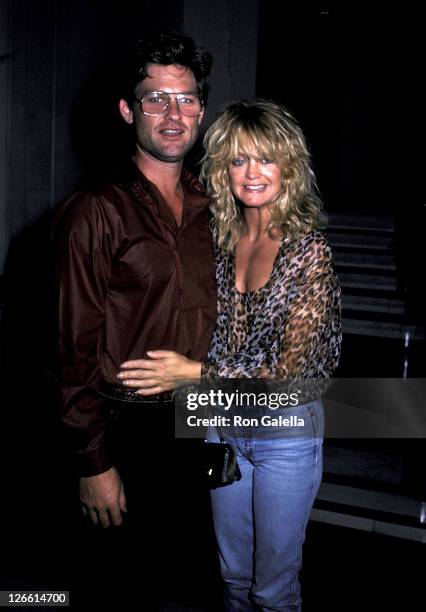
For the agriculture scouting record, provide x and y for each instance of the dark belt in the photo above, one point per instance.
(122, 393)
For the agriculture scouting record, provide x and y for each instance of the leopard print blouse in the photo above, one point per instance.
(290, 327)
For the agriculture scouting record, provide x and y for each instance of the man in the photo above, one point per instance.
(135, 273)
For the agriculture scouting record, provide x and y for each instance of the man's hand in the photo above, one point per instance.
(158, 373)
(103, 499)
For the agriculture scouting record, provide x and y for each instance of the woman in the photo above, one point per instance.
(278, 317)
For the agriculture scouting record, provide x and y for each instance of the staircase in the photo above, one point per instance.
(363, 486)
(373, 302)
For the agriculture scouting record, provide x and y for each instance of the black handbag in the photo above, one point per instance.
(219, 464)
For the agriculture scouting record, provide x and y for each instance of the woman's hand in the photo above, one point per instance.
(158, 373)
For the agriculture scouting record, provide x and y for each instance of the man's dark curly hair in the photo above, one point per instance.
(167, 48)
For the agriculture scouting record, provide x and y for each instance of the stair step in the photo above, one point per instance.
(363, 509)
(373, 293)
(361, 222)
(365, 260)
(383, 528)
(373, 304)
(361, 241)
(368, 281)
(382, 329)
(369, 499)
(363, 464)
(371, 315)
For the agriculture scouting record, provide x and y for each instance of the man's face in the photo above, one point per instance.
(166, 137)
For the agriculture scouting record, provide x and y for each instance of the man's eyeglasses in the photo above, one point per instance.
(156, 103)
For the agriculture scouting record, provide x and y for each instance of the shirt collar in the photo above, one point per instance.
(129, 174)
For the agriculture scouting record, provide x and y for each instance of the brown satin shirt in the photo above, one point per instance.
(128, 280)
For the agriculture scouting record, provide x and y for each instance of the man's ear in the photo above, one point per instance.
(200, 118)
(125, 111)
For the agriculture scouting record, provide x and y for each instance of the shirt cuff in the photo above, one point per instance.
(92, 463)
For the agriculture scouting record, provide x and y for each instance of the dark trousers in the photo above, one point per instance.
(165, 549)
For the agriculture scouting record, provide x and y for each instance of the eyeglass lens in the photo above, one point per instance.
(156, 103)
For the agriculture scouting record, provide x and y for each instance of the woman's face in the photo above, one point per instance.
(254, 182)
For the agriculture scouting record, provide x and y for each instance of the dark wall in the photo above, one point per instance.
(352, 76)
(58, 117)
(62, 60)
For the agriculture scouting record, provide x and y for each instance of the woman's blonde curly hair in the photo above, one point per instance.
(260, 129)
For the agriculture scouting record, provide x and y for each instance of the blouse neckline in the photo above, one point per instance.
(259, 289)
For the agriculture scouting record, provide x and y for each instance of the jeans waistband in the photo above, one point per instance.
(121, 393)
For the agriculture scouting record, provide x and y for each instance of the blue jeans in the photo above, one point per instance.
(260, 521)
